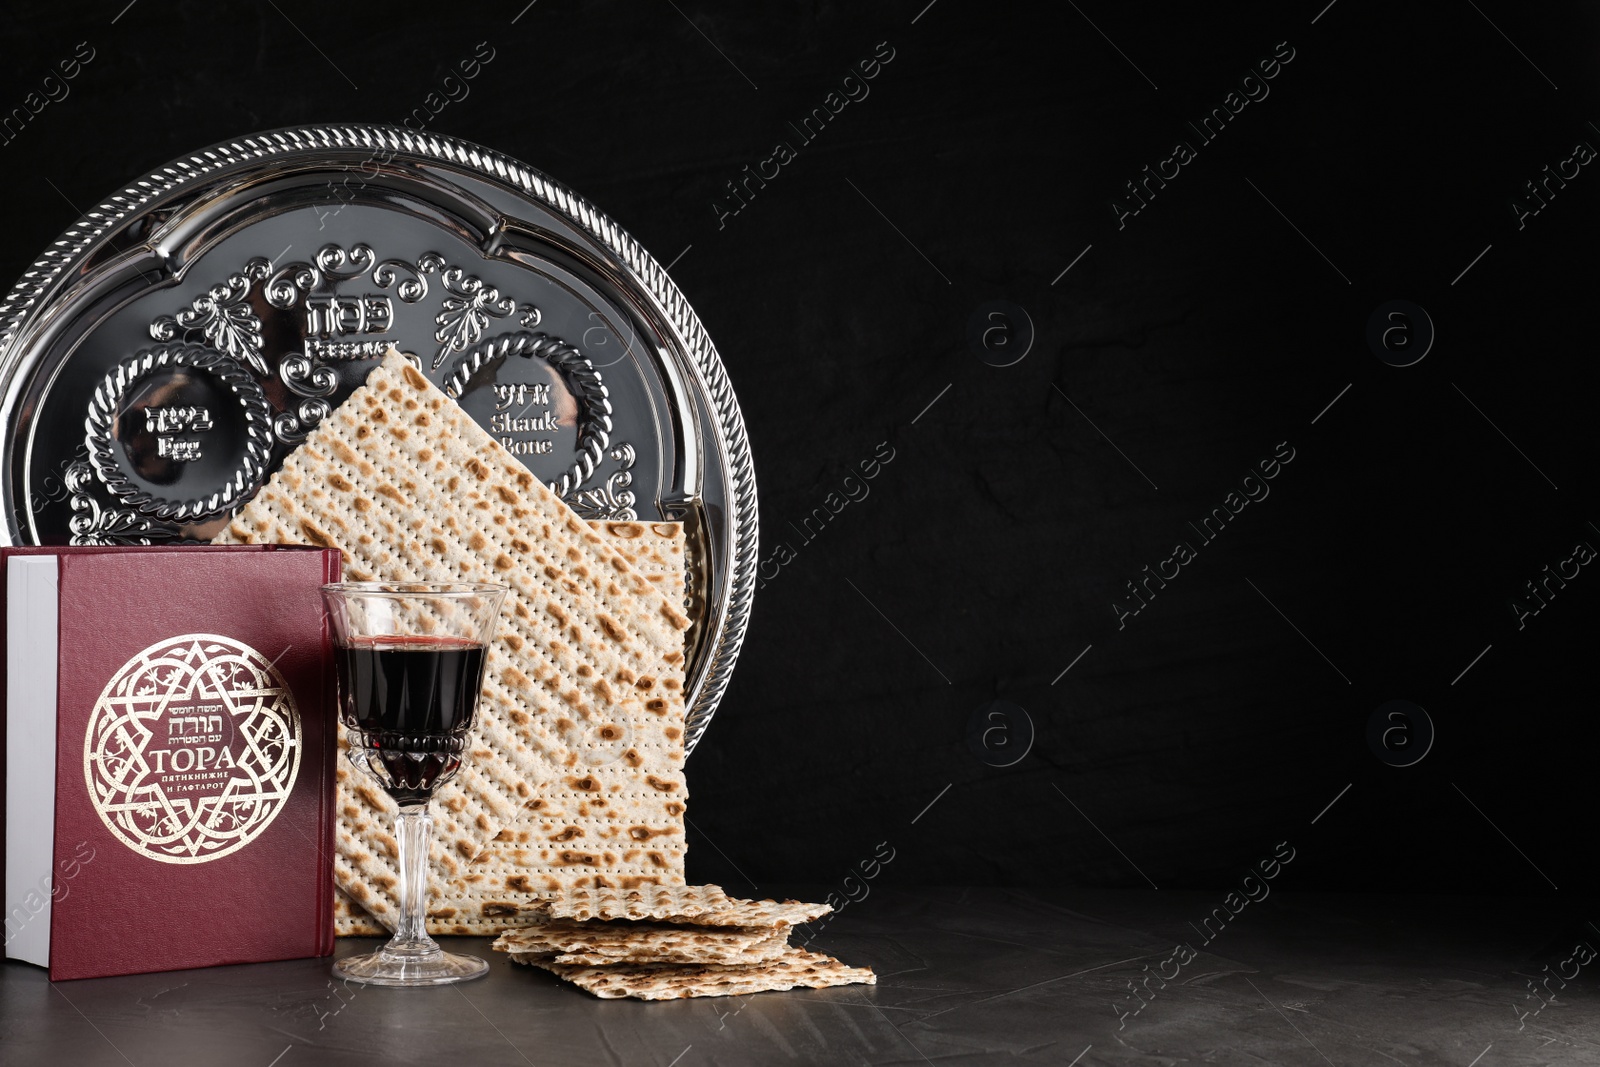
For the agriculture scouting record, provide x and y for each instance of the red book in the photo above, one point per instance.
(169, 757)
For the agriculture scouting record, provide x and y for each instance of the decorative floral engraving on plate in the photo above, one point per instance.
(222, 316)
(332, 263)
(464, 314)
(95, 525)
(613, 500)
(305, 377)
(291, 426)
(412, 289)
(192, 749)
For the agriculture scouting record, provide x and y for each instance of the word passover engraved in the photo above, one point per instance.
(192, 749)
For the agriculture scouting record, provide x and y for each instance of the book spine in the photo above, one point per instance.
(331, 572)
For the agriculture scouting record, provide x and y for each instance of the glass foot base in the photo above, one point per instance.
(395, 969)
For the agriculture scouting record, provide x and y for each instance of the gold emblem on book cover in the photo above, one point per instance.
(192, 749)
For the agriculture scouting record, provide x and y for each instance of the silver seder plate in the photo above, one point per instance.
(160, 359)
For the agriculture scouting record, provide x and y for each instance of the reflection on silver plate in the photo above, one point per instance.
(160, 359)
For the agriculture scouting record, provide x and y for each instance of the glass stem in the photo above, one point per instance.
(413, 831)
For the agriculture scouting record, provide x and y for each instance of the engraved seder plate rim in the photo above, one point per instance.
(45, 296)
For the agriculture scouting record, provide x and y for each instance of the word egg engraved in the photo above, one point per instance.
(178, 449)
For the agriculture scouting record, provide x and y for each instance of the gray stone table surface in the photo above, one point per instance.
(965, 976)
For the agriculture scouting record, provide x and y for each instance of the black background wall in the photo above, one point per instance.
(1173, 350)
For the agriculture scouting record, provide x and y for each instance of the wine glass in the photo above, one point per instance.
(410, 664)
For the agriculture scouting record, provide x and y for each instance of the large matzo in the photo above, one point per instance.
(697, 905)
(497, 881)
(582, 711)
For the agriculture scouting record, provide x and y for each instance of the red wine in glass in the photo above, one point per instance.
(410, 702)
(410, 658)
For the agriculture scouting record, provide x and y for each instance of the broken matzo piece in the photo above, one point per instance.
(601, 942)
(673, 981)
